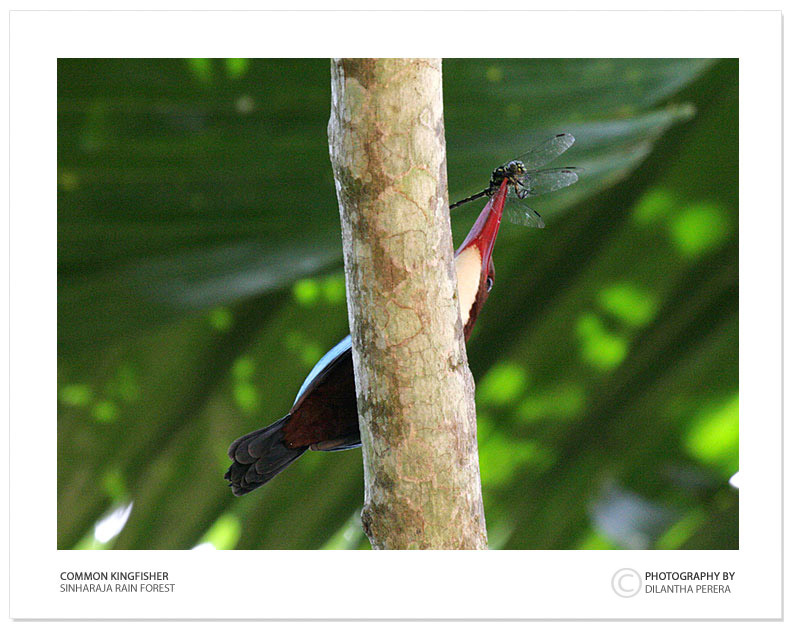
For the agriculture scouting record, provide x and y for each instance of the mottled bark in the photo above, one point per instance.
(415, 391)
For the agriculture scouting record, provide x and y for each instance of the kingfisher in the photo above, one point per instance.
(324, 416)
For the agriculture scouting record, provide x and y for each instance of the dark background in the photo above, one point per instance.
(200, 277)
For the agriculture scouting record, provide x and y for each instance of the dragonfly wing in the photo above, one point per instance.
(519, 213)
(548, 180)
(547, 151)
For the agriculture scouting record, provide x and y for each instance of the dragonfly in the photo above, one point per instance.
(526, 180)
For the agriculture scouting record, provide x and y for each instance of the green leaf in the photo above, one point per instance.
(199, 278)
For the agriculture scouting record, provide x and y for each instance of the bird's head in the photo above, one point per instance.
(473, 260)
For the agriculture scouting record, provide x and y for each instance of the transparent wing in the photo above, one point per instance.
(516, 211)
(547, 151)
(546, 181)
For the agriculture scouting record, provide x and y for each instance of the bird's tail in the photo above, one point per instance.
(259, 456)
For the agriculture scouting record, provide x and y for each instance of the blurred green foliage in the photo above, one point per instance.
(199, 279)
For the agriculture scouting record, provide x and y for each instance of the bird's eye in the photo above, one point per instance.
(489, 283)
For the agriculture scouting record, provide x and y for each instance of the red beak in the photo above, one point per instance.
(484, 231)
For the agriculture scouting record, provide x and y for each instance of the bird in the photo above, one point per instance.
(324, 416)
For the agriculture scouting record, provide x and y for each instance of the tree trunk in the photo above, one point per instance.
(415, 391)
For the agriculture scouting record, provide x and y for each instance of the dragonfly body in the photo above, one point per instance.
(526, 180)
(513, 172)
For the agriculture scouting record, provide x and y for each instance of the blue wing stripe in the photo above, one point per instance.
(340, 348)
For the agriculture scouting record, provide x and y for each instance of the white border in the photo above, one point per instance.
(507, 584)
